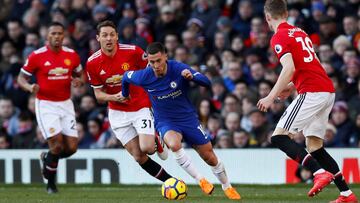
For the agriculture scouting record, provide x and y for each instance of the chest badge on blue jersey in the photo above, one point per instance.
(173, 84)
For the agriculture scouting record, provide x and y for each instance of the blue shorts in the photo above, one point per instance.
(192, 131)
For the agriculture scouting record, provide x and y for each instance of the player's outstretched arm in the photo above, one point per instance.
(282, 82)
(23, 81)
(101, 96)
(131, 77)
(197, 77)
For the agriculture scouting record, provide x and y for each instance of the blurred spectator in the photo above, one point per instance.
(182, 54)
(346, 135)
(242, 18)
(4, 139)
(167, 23)
(9, 116)
(16, 34)
(234, 74)
(127, 34)
(143, 29)
(85, 139)
(205, 109)
(330, 133)
(224, 140)
(171, 42)
(350, 26)
(354, 107)
(241, 139)
(219, 92)
(26, 133)
(213, 126)
(259, 125)
(231, 104)
(232, 122)
(39, 141)
(208, 13)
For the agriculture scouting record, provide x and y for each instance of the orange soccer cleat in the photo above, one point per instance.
(231, 193)
(206, 186)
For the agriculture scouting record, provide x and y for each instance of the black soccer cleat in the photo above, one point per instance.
(51, 188)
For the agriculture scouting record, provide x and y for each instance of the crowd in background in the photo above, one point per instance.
(227, 40)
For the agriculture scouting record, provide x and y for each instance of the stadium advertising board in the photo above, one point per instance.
(257, 166)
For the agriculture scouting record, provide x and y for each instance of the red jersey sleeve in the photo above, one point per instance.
(93, 77)
(30, 65)
(77, 65)
(280, 44)
(140, 58)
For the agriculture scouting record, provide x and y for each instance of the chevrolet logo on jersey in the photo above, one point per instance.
(58, 71)
(114, 80)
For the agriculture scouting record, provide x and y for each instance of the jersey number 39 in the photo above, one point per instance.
(306, 46)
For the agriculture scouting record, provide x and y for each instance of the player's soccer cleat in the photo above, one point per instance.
(161, 148)
(321, 180)
(51, 188)
(231, 193)
(206, 186)
(349, 199)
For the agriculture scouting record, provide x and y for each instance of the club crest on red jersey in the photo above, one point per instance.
(125, 66)
(67, 62)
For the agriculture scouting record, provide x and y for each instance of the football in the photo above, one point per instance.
(174, 188)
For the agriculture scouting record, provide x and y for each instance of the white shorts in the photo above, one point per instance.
(56, 117)
(309, 113)
(127, 125)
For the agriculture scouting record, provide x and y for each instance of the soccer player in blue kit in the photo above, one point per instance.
(167, 83)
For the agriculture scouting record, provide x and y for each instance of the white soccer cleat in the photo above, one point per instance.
(161, 148)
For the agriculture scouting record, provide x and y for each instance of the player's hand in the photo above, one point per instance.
(120, 98)
(284, 94)
(77, 82)
(34, 88)
(264, 103)
(187, 74)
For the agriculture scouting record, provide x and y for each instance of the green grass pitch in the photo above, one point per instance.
(151, 193)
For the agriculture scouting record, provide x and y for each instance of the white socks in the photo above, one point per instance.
(319, 171)
(346, 193)
(185, 162)
(219, 172)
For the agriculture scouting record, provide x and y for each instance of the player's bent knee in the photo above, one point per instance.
(280, 131)
(313, 143)
(56, 149)
(147, 148)
(174, 146)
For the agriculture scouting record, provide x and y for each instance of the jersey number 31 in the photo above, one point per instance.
(306, 46)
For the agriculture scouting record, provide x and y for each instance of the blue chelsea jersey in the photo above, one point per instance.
(168, 94)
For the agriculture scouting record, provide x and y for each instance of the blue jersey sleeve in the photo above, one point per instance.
(200, 78)
(131, 77)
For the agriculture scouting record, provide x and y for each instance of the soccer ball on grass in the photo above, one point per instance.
(174, 188)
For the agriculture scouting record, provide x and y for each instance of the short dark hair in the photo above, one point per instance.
(55, 23)
(155, 47)
(106, 23)
(276, 8)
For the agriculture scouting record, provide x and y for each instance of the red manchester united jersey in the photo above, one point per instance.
(53, 71)
(107, 72)
(309, 74)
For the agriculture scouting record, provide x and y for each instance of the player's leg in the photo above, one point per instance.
(50, 161)
(68, 125)
(70, 146)
(314, 134)
(207, 153)
(121, 124)
(299, 114)
(144, 125)
(48, 120)
(146, 163)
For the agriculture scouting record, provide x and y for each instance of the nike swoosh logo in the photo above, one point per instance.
(152, 90)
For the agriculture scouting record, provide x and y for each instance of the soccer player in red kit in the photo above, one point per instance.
(131, 121)
(309, 112)
(55, 68)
